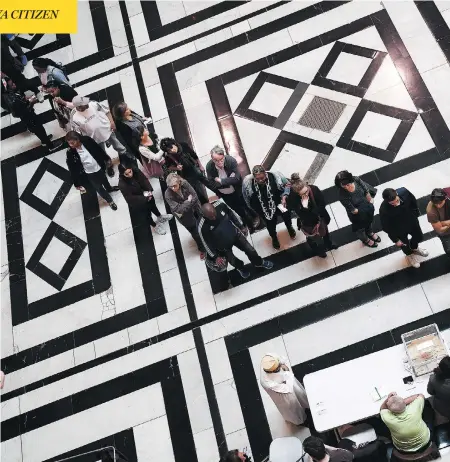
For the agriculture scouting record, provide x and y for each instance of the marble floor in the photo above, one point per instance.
(112, 335)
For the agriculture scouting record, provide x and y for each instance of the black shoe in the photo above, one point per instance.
(113, 205)
(322, 255)
(110, 171)
(292, 233)
(113, 189)
(276, 243)
(54, 146)
(333, 247)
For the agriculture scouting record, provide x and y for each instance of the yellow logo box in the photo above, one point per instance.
(38, 16)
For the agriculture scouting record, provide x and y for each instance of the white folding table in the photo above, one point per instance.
(342, 394)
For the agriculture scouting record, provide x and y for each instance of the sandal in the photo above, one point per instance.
(374, 244)
(375, 238)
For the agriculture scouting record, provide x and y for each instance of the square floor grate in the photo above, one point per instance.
(322, 114)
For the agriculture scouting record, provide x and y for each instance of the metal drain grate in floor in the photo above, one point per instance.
(322, 114)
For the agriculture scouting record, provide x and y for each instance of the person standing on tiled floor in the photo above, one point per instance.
(438, 214)
(399, 219)
(266, 193)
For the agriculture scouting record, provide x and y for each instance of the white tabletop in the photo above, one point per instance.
(342, 394)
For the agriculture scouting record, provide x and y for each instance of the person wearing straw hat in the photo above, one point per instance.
(285, 390)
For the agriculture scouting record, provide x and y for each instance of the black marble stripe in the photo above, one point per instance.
(101, 26)
(123, 442)
(437, 25)
(157, 30)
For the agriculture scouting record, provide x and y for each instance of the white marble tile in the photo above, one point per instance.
(437, 291)
(443, 5)
(213, 39)
(172, 55)
(86, 43)
(56, 255)
(157, 102)
(124, 269)
(164, 128)
(435, 80)
(130, 89)
(173, 319)
(376, 130)
(237, 90)
(149, 71)
(10, 408)
(368, 38)
(230, 410)
(294, 159)
(194, 391)
(112, 342)
(48, 187)
(240, 28)
(357, 324)
(193, 7)
(349, 68)
(170, 11)
(256, 142)
(12, 449)
(217, 65)
(152, 440)
(84, 353)
(271, 99)
(206, 446)
(203, 298)
(195, 96)
(239, 440)
(133, 7)
(167, 261)
(139, 29)
(417, 141)
(218, 360)
(203, 127)
(79, 429)
(143, 331)
(173, 289)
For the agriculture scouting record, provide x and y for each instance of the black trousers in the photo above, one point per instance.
(194, 233)
(320, 244)
(100, 184)
(33, 124)
(242, 244)
(237, 203)
(413, 242)
(272, 224)
(152, 208)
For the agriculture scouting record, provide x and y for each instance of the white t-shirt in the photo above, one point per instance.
(223, 174)
(90, 165)
(93, 122)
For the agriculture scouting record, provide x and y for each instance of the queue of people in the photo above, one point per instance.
(263, 197)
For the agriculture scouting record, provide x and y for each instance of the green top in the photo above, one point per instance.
(409, 432)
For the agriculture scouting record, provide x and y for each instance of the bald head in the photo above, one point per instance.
(209, 211)
(396, 404)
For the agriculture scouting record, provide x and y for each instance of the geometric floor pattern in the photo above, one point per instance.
(114, 336)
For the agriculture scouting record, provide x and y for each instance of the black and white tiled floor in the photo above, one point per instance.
(112, 335)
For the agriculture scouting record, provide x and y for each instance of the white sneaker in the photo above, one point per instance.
(413, 261)
(159, 229)
(421, 252)
(164, 218)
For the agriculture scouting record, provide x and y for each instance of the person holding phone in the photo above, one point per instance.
(266, 193)
(87, 163)
(138, 192)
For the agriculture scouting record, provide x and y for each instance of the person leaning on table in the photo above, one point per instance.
(403, 417)
(439, 387)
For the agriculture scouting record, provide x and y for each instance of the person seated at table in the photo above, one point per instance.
(318, 452)
(361, 439)
(235, 456)
(403, 417)
(439, 387)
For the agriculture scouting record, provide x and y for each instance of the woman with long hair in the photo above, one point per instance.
(357, 198)
(48, 70)
(308, 203)
(439, 387)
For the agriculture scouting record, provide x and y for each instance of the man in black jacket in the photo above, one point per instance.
(398, 215)
(221, 229)
(20, 106)
(222, 171)
(61, 101)
(87, 162)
